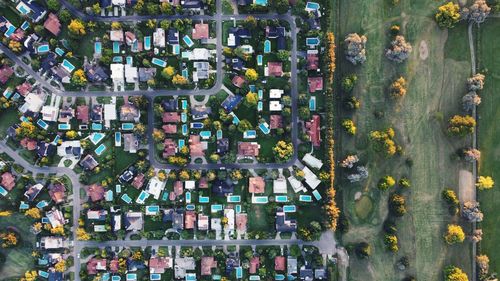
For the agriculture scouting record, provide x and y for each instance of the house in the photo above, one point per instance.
(29, 144)
(276, 93)
(189, 220)
(95, 192)
(306, 274)
(256, 185)
(203, 222)
(66, 114)
(274, 69)
(171, 117)
(207, 263)
(254, 265)
(127, 175)
(32, 9)
(178, 188)
(178, 220)
(229, 214)
(94, 265)
(99, 215)
(131, 74)
(52, 243)
(241, 222)
(278, 33)
(311, 178)
(315, 84)
(279, 186)
(182, 265)
(235, 36)
(32, 102)
(170, 148)
(130, 38)
(238, 81)
(202, 70)
(196, 146)
(5, 73)
(96, 113)
(57, 192)
(33, 191)
(199, 112)
(114, 265)
(312, 161)
(222, 146)
(159, 38)
(70, 149)
(313, 130)
(312, 60)
(95, 73)
(24, 88)
(50, 113)
(129, 112)
(236, 63)
(116, 222)
(134, 221)
(169, 129)
(88, 162)
(155, 187)
(195, 5)
(8, 181)
(172, 36)
(320, 274)
(60, 73)
(159, 264)
(248, 149)
(199, 54)
(200, 31)
(276, 121)
(146, 74)
(131, 143)
(52, 24)
(138, 181)
(231, 102)
(117, 73)
(291, 265)
(55, 217)
(222, 188)
(283, 224)
(116, 35)
(203, 183)
(232, 262)
(279, 263)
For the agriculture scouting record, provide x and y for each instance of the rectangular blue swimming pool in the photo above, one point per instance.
(142, 197)
(317, 195)
(3, 191)
(185, 73)
(259, 60)
(305, 198)
(219, 134)
(116, 47)
(95, 138)
(176, 49)
(234, 199)
(239, 272)
(183, 117)
(117, 59)
(64, 126)
(10, 30)
(130, 60)
(154, 276)
(249, 134)
(289, 209)
(264, 127)
(25, 25)
(42, 124)
(131, 277)
(204, 199)
(126, 198)
(205, 134)
(96, 126)
(159, 62)
(100, 149)
(152, 209)
(184, 129)
(116, 278)
(216, 208)
(312, 103)
(188, 197)
(181, 143)
(69, 66)
(281, 199)
(188, 41)
(312, 6)
(118, 139)
(267, 47)
(98, 48)
(127, 126)
(260, 199)
(56, 140)
(312, 42)
(147, 43)
(59, 51)
(184, 104)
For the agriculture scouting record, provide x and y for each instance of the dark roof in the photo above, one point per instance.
(306, 274)
(200, 112)
(222, 188)
(96, 73)
(45, 149)
(88, 162)
(105, 3)
(283, 224)
(48, 62)
(37, 11)
(173, 36)
(127, 175)
(231, 102)
(55, 276)
(236, 63)
(192, 4)
(239, 33)
(222, 145)
(170, 104)
(146, 74)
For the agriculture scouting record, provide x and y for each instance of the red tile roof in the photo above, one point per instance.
(190, 219)
(279, 263)
(52, 24)
(200, 31)
(24, 88)
(93, 263)
(312, 61)
(256, 185)
(238, 81)
(275, 69)
(254, 265)
(138, 181)
(276, 121)
(241, 222)
(57, 192)
(195, 146)
(313, 130)
(248, 149)
(169, 128)
(8, 181)
(95, 192)
(82, 113)
(114, 266)
(28, 144)
(5, 73)
(207, 263)
(315, 84)
(169, 148)
(159, 264)
(171, 117)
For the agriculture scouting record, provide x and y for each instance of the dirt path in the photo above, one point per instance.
(467, 190)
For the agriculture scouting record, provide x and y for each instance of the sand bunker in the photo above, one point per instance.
(467, 188)
(423, 50)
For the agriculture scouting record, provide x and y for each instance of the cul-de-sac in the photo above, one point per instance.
(336, 140)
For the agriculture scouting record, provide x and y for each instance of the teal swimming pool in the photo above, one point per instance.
(249, 134)
(117, 59)
(116, 47)
(184, 104)
(260, 199)
(142, 197)
(204, 199)
(312, 103)
(69, 66)
(98, 48)
(205, 134)
(190, 207)
(152, 209)
(181, 143)
(234, 199)
(267, 47)
(183, 117)
(126, 198)
(216, 208)
(127, 126)
(281, 198)
(96, 126)
(59, 52)
(64, 126)
(219, 134)
(196, 125)
(184, 129)
(159, 62)
(43, 48)
(118, 139)
(95, 138)
(154, 276)
(312, 6)
(147, 43)
(316, 195)
(185, 73)
(188, 197)
(100, 149)
(131, 277)
(3, 191)
(312, 42)
(188, 41)
(264, 127)
(42, 124)
(116, 278)
(260, 106)
(289, 208)
(176, 49)
(259, 60)
(239, 272)
(305, 198)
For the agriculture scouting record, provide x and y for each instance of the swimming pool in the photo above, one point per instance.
(11, 29)
(236, 120)
(312, 6)
(219, 134)
(260, 94)
(95, 138)
(116, 278)
(147, 43)
(238, 209)
(69, 66)
(154, 276)
(127, 126)
(98, 48)
(267, 47)
(312, 42)
(118, 139)
(259, 60)
(312, 103)
(260, 2)
(159, 62)
(281, 199)
(260, 199)
(42, 124)
(188, 41)
(7, 93)
(185, 73)
(96, 126)
(22, 206)
(59, 52)
(126, 198)
(152, 210)
(109, 195)
(188, 197)
(3, 191)
(234, 199)
(289, 209)
(205, 134)
(317, 195)
(25, 25)
(239, 272)
(305, 198)
(249, 134)
(204, 199)
(118, 188)
(131, 277)
(117, 59)
(279, 277)
(190, 207)
(190, 276)
(105, 277)
(176, 49)
(252, 88)
(56, 139)
(264, 127)
(142, 197)
(43, 274)
(43, 48)
(100, 149)
(184, 129)
(42, 204)
(64, 126)
(216, 208)
(181, 143)
(130, 60)
(184, 117)
(254, 278)
(184, 104)
(116, 47)
(24, 119)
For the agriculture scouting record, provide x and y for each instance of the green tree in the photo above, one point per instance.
(448, 15)
(53, 5)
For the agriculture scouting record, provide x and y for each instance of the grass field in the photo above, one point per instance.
(489, 134)
(436, 85)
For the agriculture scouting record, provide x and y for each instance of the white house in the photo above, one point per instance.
(311, 178)
(159, 38)
(155, 187)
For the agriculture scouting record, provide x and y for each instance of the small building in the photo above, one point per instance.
(279, 186)
(248, 149)
(203, 222)
(8, 181)
(5, 73)
(130, 143)
(279, 263)
(129, 112)
(52, 24)
(312, 161)
(33, 191)
(52, 243)
(315, 84)
(313, 130)
(256, 185)
(190, 220)
(134, 221)
(276, 121)
(155, 187)
(241, 222)
(159, 38)
(57, 192)
(291, 265)
(89, 163)
(207, 263)
(159, 264)
(254, 265)
(274, 69)
(171, 117)
(283, 223)
(200, 31)
(95, 192)
(94, 265)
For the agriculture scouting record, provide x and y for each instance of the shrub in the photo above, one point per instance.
(461, 125)
(363, 250)
(453, 273)
(355, 48)
(349, 126)
(454, 234)
(405, 183)
(448, 15)
(391, 242)
(400, 49)
(348, 82)
(397, 205)
(386, 182)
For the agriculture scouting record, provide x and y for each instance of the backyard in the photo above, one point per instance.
(488, 136)
(436, 82)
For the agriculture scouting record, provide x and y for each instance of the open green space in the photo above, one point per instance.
(435, 87)
(488, 136)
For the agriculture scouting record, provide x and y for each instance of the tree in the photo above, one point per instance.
(5, 213)
(165, 24)
(476, 82)
(251, 75)
(64, 16)
(478, 12)
(363, 250)
(448, 15)
(82, 235)
(15, 46)
(60, 266)
(179, 80)
(452, 273)
(8, 239)
(168, 72)
(244, 125)
(116, 25)
(71, 134)
(53, 5)
(461, 125)
(399, 50)
(158, 135)
(383, 140)
(398, 88)
(404, 182)
(483, 262)
(236, 175)
(251, 99)
(33, 213)
(283, 55)
(281, 6)
(152, 8)
(391, 242)
(77, 27)
(349, 126)
(250, 22)
(470, 100)
(139, 6)
(471, 211)
(397, 205)
(485, 182)
(454, 234)
(348, 82)
(355, 48)
(283, 151)
(304, 113)
(96, 8)
(166, 8)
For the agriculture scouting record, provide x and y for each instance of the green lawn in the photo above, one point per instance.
(8, 117)
(436, 85)
(488, 136)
